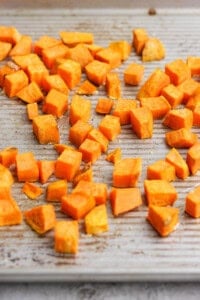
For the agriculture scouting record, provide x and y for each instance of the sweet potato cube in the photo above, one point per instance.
(6, 177)
(10, 213)
(161, 169)
(192, 203)
(193, 63)
(22, 47)
(78, 132)
(194, 100)
(45, 42)
(77, 205)
(196, 116)
(173, 95)
(36, 73)
(45, 129)
(122, 109)
(159, 106)
(93, 48)
(178, 71)
(9, 34)
(32, 110)
(181, 138)
(49, 55)
(178, 118)
(110, 127)
(81, 54)
(67, 164)
(153, 50)
(133, 74)
(56, 190)
(80, 109)
(5, 70)
(30, 93)
(188, 87)
(27, 167)
(122, 47)
(46, 169)
(140, 36)
(96, 72)
(91, 150)
(4, 50)
(86, 88)
(8, 156)
(70, 71)
(163, 219)
(96, 221)
(181, 167)
(124, 200)
(159, 192)
(73, 38)
(41, 218)
(55, 103)
(98, 136)
(14, 82)
(113, 85)
(23, 61)
(85, 173)
(114, 155)
(104, 106)
(142, 122)
(54, 82)
(31, 190)
(66, 237)
(126, 172)
(193, 158)
(109, 56)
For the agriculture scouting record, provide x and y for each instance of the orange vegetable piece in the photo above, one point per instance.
(45, 42)
(66, 238)
(32, 110)
(97, 71)
(56, 190)
(55, 103)
(5, 70)
(23, 61)
(85, 174)
(153, 50)
(10, 213)
(122, 47)
(41, 218)
(36, 72)
(8, 156)
(27, 167)
(49, 55)
(31, 190)
(96, 221)
(188, 87)
(124, 200)
(113, 85)
(192, 203)
(68, 164)
(196, 116)
(77, 205)
(70, 71)
(193, 63)
(9, 34)
(181, 167)
(73, 38)
(193, 158)
(104, 106)
(4, 50)
(159, 106)
(161, 169)
(178, 71)
(159, 192)
(54, 82)
(173, 95)
(126, 172)
(6, 177)
(114, 155)
(78, 132)
(163, 219)
(140, 36)
(122, 109)
(93, 48)
(15, 82)
(109, 56)
(45, 129)
(133, 74)
(179, 118)
(154, 84)
(91, 150)
(23, 47)
(110, 127)
(46, 169)
(181, 138)
(194, 100)
(80, 109)
(86, 88)
(30, 93)
(142, 122)
(96, 135)
(61, 147)
(81, 54)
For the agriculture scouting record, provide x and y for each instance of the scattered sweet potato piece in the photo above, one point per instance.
(9, 34)
(81, 54)
(161, 169)
(114, 155)
(37, 72)
(23, 61)
(55, 103)
(31, 190)
(122, 47)
(193, 158)
(32, 110)
(109, 56)
(193, 63)
(27, 167)
(80, 109)
(181, 138)
(67, 164)
(96, 72)
(54, 82)
(10, 213)
(8, 156)
(113, 85)
(104, 106)
(73, 38)
(178, 71)
(124, 200)
(91, 150)
(196, 116)
(194, 100)
(4, 50)
(142, 122)
(153, 50)
(96, 221)
(179, 118)
(86, 88)
(84, 173)
(159, 192)
(45, 42)
(46, 169)
(181, 167)
(49, 55)
(66, 237)
(173, 95)
(78, 132)
(96, 135)
(15, 82)
(140, 36)
(159, 106)
(30, 93)
(163, 219)
(126, 172)
(77, 205)
(45, 129)
(5, 70)
(188, 87)
(41, 218)
(70, 71)
(6, 177)
(122, 109)
(93, 48)
(110, 127)
(61, 147)
(133, 74)
(192, 203)
(23, 47)
(56, 190)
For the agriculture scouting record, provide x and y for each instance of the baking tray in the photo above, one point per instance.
(131, 250)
